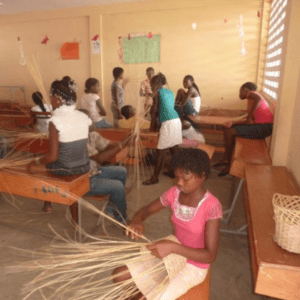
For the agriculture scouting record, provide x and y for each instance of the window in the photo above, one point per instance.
(274, 48)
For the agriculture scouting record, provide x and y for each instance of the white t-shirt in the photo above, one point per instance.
(71, 124)
(89, 102)
(42, 124)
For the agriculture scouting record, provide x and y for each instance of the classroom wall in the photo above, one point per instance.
(286, 138)
(47, 57)
(211, 53)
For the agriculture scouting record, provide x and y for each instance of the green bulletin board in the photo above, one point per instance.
(141, 50)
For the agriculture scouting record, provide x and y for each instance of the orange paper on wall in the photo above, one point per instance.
(70, 51)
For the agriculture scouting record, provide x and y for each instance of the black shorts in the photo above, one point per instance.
(254, 131)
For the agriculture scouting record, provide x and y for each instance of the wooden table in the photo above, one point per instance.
(276, 272)
(44, 185)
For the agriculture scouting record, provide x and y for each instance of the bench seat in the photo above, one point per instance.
(276, 272)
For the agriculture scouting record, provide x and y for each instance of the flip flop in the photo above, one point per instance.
(151, 181)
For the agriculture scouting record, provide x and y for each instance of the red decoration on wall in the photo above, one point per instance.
(120, 51)
(70, 51)
(150, 36)
(258, 13)
(225, 21)
(45, 40)
(95, 38)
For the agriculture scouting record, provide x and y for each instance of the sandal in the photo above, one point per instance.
(151, 181)
(47, 208)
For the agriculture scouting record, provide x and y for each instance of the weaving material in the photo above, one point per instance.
(287, 222)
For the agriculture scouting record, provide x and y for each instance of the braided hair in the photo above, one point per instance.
(65, 91)
(37, 98)
(191, 78)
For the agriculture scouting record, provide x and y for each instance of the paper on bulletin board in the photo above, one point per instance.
(96, 47)
(141, 50)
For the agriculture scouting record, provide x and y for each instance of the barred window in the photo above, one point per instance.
(274, 48)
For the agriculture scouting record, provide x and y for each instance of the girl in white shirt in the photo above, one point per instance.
(68, 136)
(192, 94)
(91, 102)
(42, 122)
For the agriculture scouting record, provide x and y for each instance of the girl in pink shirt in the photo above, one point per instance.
(258, 124)
(196, 220)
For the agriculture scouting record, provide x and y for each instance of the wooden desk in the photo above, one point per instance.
(13, 121)
(43, 185)
(276, 272)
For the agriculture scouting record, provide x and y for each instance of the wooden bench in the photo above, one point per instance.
(246, 151)
(14, 121)
(276, 272)
(199, 292)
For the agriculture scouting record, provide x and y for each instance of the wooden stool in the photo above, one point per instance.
(198, 292)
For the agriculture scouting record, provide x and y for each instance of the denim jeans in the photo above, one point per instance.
(103, 124)
(111, 181)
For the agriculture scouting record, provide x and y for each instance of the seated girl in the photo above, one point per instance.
(91, 102)
(190, 100)
(196, 215)
(258, 125)
(68, 136)
(41, 123)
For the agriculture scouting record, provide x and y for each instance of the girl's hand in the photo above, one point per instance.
(162, 248)
(136, 230)
(228, 124)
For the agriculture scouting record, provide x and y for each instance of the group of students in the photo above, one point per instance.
(75, 148)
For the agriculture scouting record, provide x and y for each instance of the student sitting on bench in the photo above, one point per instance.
(258, 125)
(68, 136)
(129, 113)
(109, 180)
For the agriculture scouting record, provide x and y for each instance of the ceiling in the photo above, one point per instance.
(21, 6)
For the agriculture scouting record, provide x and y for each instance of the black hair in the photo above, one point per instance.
(66, 79)
(150, 69)
(250, 86)
(89, 83)
(191, 78)
(192, 160)
(117, 72)
(37, 98)
(158, 81)
(126, 111)
(63, 90)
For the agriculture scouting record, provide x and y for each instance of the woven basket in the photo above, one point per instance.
(287, 222)
(173, 262)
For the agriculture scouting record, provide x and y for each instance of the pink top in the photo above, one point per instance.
(189, 222)
(263, 113)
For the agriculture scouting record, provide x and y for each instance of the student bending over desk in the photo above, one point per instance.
(258, 125)
(68, 136)
(129, 113)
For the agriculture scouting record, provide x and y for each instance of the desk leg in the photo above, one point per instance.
(230, 210)
(240, 231)
(79, 221)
